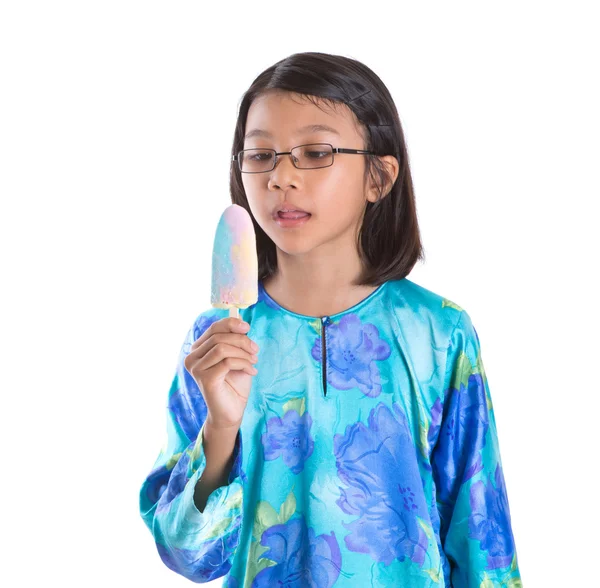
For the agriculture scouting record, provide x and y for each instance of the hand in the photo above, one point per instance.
(221, 362)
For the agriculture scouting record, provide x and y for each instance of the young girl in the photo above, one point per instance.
(362, 450)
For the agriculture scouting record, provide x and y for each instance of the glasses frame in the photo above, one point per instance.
(334, 150)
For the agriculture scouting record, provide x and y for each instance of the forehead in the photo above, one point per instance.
(279, 114)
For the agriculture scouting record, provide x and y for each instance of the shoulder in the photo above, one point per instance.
(413, 303)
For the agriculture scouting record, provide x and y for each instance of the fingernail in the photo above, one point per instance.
(254, 346)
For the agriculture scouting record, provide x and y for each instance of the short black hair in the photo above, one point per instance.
(389, 242)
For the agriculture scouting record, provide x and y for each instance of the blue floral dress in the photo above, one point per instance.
(367, 456)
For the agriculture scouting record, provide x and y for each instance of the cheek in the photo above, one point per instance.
(342, 187)
(254, 189)
(251, 184)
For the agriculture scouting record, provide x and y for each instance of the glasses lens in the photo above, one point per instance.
(313, 155)
(256, 160)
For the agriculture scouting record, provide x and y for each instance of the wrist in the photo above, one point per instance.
(225, 427)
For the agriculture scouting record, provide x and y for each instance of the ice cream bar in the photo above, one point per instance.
(234, 262)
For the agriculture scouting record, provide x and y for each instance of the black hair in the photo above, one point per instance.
(389, 242)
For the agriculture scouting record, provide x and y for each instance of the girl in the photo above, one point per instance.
(363, 451)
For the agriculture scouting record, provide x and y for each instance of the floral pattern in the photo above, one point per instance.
(490, 519)
(301, 558)
(391, 477)
(353, 348)
(290, 438)
(376, 463)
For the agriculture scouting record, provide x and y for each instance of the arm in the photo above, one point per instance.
(475, 525)
(198, 544)
(219, 449)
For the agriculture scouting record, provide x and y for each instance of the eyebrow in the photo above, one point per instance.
(305, 129)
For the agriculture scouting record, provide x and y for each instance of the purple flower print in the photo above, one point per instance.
(289, 437)
(204, 564)
(436, 421)
(490, 523)
(377, 463)
(352, 350)
(302, 559)
(457, 455)
(164, 485)
(175, 483)
(433, 430)
(156, 483)
(187, 404)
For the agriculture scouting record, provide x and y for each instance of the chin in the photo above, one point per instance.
(293, 246)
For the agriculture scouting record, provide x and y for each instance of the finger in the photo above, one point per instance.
(222, 368)
(226, 325)
(240, 341)
(222, 352)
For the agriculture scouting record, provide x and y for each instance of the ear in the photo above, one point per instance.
(393, 167)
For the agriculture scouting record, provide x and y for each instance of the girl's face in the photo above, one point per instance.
(335, 196)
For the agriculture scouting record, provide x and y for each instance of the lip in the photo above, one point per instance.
(288, 223)
(289, 206)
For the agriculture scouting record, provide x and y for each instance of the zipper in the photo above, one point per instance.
(324, 321)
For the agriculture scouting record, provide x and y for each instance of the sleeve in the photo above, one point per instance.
(198, 545)
(471, 497)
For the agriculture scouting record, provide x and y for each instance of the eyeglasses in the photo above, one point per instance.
(308, 156)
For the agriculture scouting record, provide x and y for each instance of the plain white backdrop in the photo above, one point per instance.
(116, 124)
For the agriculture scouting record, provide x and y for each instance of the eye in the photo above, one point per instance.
(316, 154)
(258, 155)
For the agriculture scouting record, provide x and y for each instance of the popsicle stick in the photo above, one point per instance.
(234, 312)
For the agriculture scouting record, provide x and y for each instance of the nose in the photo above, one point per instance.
(285, 172)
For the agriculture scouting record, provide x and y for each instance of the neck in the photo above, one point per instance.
(316, 291)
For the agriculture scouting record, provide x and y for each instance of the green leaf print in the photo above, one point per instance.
(426, 527)
(254, 564)
(266, 516)
(446, 302)
(172, 461)
(235, 500)
(288, 508)
(433, 574)
(506, 583)
(297, 404)
(219, 529)
(463, 371)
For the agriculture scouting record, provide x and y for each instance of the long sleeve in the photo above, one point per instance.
(471, 497)
(198, 545)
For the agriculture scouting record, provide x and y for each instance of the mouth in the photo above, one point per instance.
(291, 219)
(292, 214)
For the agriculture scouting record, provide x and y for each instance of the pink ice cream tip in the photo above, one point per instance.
(234, 260)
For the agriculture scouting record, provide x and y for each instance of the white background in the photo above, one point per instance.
(116, 123)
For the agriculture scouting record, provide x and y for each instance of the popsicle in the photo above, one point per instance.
(234, 262)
